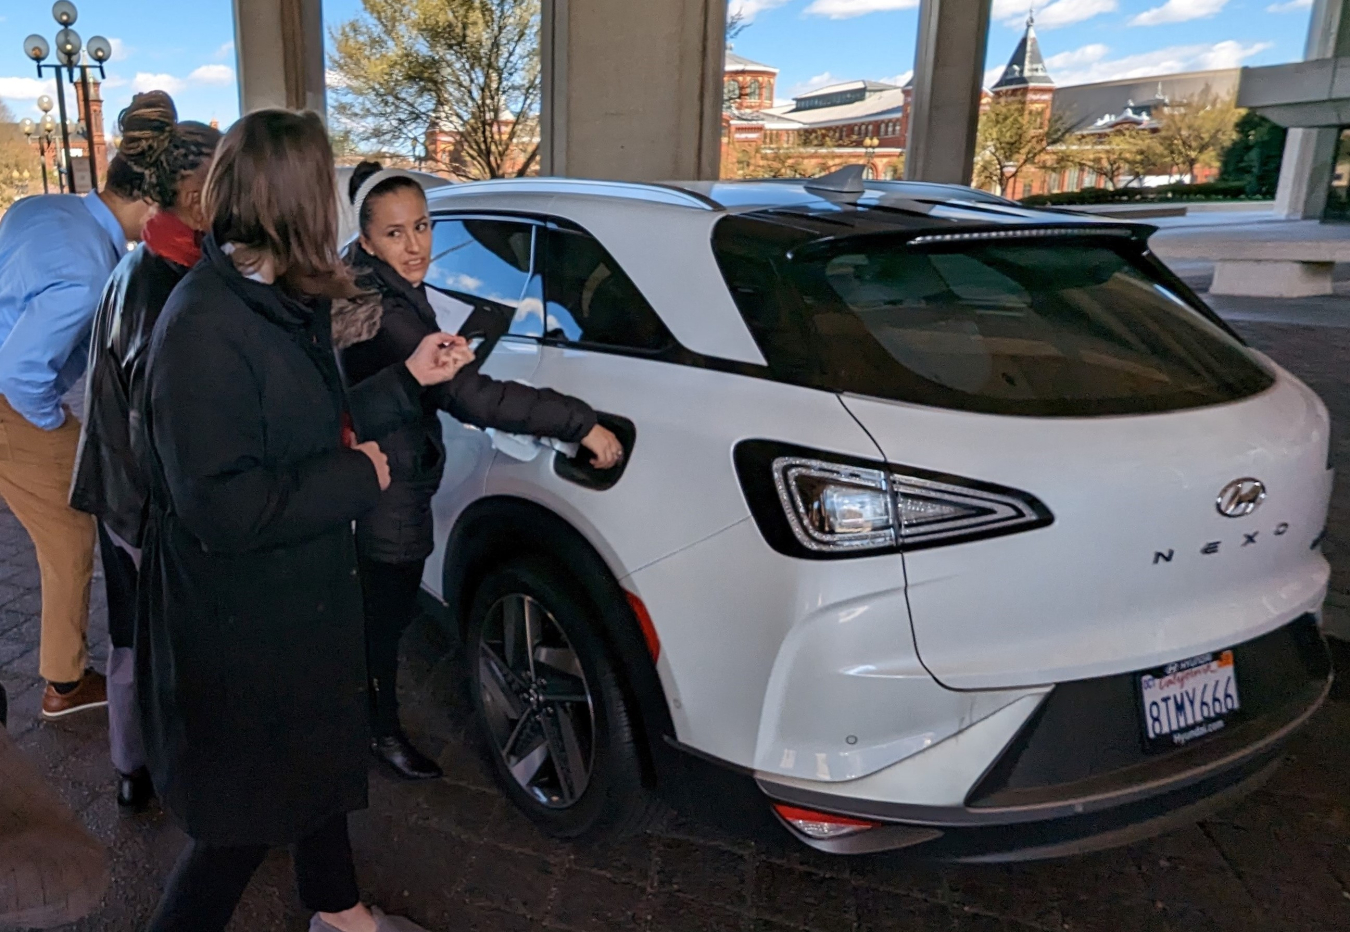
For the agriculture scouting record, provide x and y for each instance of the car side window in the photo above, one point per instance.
(589, 301)
(488, 260)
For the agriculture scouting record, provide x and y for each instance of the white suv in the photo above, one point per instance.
(944, 522)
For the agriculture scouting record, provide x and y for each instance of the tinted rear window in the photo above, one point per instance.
(1041, 327)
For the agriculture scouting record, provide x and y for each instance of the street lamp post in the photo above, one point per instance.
(68, 58)
(870, 146)
(45, 130)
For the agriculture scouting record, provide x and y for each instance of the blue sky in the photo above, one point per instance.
(184, 45)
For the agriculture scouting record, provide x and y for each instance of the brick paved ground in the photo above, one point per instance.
(453, 856)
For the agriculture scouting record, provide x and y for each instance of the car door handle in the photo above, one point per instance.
(578, 468)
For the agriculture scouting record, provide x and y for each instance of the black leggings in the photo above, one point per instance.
(208, 881)
(390, 594)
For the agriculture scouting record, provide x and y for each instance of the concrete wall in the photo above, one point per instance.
(632, 88)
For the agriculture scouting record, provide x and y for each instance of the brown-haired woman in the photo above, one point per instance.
(109, 483)
(249, 647)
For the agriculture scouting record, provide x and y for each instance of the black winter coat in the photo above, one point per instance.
(250, 650)
(399, 529)
(108, 480)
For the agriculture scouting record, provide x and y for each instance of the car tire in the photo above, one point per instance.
(537, 730)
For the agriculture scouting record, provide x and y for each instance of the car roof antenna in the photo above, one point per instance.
(847, 180)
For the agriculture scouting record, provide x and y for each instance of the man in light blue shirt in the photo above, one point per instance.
(56, 253)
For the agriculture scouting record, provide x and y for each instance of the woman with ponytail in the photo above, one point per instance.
(174, 159)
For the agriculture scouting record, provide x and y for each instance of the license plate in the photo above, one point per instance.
(1188, 700)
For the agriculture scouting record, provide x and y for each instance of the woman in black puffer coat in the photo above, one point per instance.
(391, 259)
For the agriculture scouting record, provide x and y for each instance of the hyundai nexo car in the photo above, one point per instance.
(943, 524)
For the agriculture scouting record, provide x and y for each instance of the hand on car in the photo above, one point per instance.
(606, 447)
(377, 459)
(438, 358)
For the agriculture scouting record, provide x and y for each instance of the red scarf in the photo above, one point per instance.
(170, 238)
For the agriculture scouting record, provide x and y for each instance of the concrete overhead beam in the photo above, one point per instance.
(632, 88)
(278, 47)
(1306, 93)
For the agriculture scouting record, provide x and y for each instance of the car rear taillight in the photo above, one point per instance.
(809, 503)
(821, 825)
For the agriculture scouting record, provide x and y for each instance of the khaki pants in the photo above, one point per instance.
(35, 471)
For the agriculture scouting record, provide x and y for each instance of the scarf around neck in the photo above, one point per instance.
(172, 239)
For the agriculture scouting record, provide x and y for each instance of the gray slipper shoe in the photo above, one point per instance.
(383, 923)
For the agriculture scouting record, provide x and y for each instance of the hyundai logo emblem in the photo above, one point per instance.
(1241, 497)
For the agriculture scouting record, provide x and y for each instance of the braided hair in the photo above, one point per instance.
(156, 150)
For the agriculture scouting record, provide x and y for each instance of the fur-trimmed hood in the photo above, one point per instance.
(356, 320)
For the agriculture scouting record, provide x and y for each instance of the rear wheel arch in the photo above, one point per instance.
(495, 530)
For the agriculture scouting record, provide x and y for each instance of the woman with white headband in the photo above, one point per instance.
(391, 259)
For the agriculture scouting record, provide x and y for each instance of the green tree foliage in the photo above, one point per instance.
(1013, 137)
(404, 69)
(1255, 155)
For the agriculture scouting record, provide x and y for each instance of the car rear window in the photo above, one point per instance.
(1058, 327)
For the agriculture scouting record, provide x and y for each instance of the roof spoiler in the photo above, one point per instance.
(847, 180)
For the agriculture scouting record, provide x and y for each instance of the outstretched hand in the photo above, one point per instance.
(438, 358)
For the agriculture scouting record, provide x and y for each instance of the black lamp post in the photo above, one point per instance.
(45, 130)
(68, 59)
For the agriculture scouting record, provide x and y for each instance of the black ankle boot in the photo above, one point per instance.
(134, 790)
(408, 762)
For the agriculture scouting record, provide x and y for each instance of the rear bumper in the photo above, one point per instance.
(1075, 778)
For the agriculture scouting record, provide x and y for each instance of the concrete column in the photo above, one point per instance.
(1309, 153)
(948, 72)
(1305, 172)
(278, 45)
(632, 90)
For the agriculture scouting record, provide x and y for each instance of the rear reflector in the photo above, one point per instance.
(645, 623)
(821, 825)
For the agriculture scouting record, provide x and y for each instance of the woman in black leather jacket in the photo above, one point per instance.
(391, 259)
(108, 482)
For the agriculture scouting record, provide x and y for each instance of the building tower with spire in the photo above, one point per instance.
(1026, 78)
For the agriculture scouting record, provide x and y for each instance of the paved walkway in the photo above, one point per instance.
(455, 857)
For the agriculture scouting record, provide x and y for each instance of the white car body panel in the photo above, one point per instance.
(679, 486)
(1088, 596)
(798, 668)
(944, 774)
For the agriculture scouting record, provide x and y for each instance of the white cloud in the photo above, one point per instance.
(1092, 65)
(812, 84)
(144, 81)
(120, 50)
(1290, 7)
(991, 75)
(25, 88)
(848, 9)
(212, 74)
(1179, 11)
(1013, 13)
(749, 9)
(225, 51)
(899, 80)
(1086, 55)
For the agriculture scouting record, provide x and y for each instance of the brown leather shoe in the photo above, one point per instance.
(92, 693)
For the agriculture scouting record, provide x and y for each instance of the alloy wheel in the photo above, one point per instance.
(536, 701)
